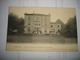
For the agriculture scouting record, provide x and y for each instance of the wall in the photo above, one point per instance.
(27, 55)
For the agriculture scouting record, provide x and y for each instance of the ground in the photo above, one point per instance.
(40, 39)
(41, 43)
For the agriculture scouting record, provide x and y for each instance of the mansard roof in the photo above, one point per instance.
(36, 14)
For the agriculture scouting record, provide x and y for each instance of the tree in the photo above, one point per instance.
(15, 24)
(70, 29)
(21, 26)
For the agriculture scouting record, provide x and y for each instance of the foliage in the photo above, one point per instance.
(15, 24)
(70, 29)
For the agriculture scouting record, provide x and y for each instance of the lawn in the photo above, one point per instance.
(40, 39)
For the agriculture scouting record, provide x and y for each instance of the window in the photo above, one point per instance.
(45, 30)
(45, 17)
(37, 24)
(29, 18)
(58, 25)
(51, 25)
(28, 29)
(45, 24)
(35, 28)
(58, 30)
(45, 21)
(37, 21)
(28, 23)
(36, 18)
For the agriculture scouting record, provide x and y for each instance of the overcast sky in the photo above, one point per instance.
(56, 13)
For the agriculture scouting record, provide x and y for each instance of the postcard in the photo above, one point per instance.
(41, 29)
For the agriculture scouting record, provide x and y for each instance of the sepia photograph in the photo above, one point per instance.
(41, 29)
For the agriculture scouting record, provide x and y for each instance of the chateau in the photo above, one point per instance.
(40, 24)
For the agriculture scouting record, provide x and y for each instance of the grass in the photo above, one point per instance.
(40, 39)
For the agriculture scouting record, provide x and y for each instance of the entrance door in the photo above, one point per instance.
(37, 31)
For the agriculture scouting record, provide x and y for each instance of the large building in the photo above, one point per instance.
(38, 24)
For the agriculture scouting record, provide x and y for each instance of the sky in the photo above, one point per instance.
(56, 13)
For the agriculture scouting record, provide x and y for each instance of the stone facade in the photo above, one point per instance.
(55, 28)
(39, 24)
